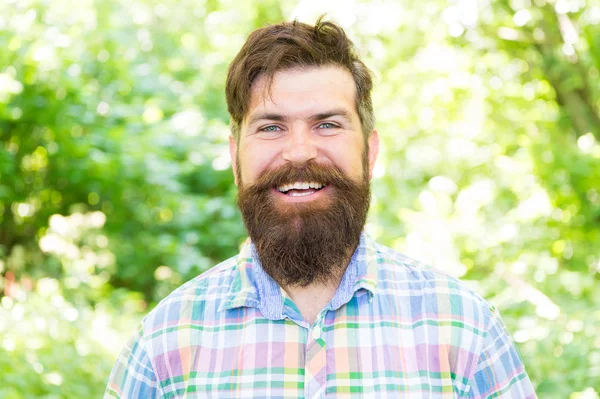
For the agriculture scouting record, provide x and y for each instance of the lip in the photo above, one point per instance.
(305, 198)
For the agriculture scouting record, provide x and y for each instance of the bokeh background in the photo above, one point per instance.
(115, 180)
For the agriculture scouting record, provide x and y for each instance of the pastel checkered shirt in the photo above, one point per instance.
(394, 329)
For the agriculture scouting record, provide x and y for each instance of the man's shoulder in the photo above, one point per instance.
(402, 275)
(211, 286)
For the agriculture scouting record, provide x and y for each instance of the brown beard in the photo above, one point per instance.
(311, 242)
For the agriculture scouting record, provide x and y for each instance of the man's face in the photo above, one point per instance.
(308, 115)
(303, 174)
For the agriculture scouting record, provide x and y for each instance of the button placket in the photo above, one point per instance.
(316, 332)
(316, 362)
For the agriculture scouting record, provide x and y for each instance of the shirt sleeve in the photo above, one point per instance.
(499, 372)
(133, 376)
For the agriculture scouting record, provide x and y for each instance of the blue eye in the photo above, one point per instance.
(327, 125)
(270, 128)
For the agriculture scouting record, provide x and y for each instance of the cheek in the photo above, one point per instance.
(350, 159)
(253, 163)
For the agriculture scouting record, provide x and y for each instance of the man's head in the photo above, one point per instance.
(301, 155)
(295, 45)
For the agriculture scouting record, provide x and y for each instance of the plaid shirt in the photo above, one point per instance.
(394, 329)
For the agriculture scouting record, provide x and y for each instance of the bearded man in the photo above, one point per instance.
(311, 306)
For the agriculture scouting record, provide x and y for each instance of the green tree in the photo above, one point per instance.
(115, 182)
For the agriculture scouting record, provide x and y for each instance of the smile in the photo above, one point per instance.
(300, 189)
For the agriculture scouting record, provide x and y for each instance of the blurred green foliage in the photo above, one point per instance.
(115, 181)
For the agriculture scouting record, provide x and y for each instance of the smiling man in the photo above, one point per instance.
(302, 167)
(311, 306)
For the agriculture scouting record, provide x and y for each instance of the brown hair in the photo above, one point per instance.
(291, 45)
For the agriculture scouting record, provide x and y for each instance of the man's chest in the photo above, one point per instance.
(341, 357)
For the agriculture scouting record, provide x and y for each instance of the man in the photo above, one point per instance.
(311, 306)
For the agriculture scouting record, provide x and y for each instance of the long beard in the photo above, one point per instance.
(309, 242)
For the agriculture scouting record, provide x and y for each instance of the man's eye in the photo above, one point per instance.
(270, 128)
(327, 125)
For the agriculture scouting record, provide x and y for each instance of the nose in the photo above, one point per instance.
(300, 147)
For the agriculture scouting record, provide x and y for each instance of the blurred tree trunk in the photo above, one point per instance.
(565, 72)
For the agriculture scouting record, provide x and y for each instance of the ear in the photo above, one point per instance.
(373, 141)
(233, 155)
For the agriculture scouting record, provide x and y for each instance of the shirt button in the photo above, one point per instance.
(316, 332)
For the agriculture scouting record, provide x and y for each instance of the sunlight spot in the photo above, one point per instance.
(562, 6)
(559, 247)
(71, 314)
(9, 344)
(48, 286)
(96, 219)
(380, 17)
(379, 170)
(537, 205)
(152, 114)
(521, 336)
(53, 378)
(16, 113)
(51, 243)
(103, 56)
(141, 15)
(566, 337)
(7, 302)
(8, 85)
(102, 241)
(426, 117)
(468, 12)
(25, 210)
(428, 201)
(82, 347)
(545, 307)
(586, 142)
(74, 70)
(18, 312)
(163, 273)
(473, 197)
(43, 54)
(40, 324)
(435, 57)
(222, 162)
(495, 82)
(103, 108)
(189, 122)
(568, 49)
(588, 393)
(38, 368)
(575, 325)
(521, 17)
(455, 30)
(343, 12)
(508, 34)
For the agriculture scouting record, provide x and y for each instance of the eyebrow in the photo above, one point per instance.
(268, 117)
(281, 118)
(335, 112)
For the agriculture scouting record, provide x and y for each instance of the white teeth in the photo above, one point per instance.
(299, 194)
(300, 186)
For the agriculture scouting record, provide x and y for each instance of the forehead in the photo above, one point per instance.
(300, 91)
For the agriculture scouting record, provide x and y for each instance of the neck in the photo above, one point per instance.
(311, 299)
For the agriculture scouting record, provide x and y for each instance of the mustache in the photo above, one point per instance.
(310, 172)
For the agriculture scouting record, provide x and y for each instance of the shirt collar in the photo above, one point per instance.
(253, 287)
